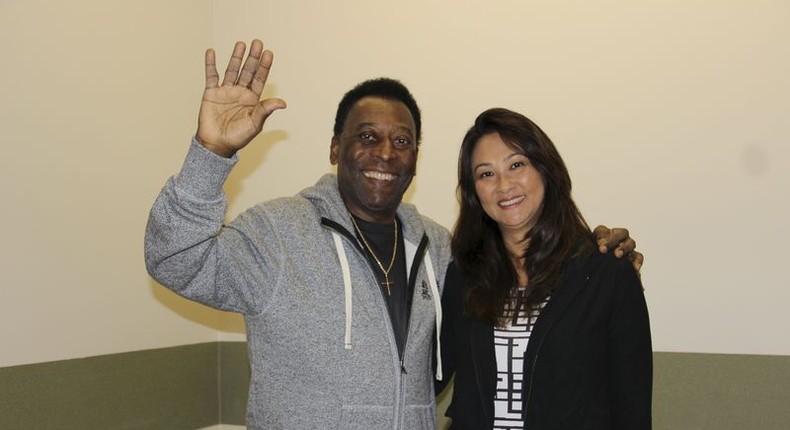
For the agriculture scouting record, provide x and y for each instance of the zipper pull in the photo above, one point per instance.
(403, 368)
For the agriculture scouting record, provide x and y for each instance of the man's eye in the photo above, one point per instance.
(367, 136)
(403, 141)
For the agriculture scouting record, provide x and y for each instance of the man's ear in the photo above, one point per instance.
(334, 148)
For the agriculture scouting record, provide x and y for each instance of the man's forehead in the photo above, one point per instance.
(371, 107)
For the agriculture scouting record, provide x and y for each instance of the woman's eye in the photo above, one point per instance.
(485, 175)
(517, 164)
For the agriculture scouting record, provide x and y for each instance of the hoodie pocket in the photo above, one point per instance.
(366, 417)
(420, 417)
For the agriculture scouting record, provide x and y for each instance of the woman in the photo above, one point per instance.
(541, 331)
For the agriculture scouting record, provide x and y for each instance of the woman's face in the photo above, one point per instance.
(509, 188)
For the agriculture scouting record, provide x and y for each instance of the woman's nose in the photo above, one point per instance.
(504, 183)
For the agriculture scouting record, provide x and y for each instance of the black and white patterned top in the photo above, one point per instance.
(510, 345)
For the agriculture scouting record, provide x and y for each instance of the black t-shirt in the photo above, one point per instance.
(381, 238)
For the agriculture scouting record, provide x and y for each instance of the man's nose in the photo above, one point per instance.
(385, 149)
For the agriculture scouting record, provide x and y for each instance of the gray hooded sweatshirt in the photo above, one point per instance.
(321, 345)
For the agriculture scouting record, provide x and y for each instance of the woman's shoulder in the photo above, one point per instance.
(610, 272)
(594, 261)
(596, 267)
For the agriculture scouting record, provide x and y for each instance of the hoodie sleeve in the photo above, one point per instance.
(187, 248)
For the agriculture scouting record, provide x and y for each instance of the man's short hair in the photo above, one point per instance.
(380, 87)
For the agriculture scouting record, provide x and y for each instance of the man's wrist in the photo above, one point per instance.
(204, 172)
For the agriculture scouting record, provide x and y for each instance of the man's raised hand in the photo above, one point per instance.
(232, 114)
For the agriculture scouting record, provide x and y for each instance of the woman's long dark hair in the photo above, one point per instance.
(559, 233)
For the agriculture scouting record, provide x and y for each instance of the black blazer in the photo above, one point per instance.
(588, 364)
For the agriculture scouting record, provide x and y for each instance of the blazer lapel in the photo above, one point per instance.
(484, 361)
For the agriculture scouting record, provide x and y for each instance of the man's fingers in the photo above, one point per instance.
(232, 71)
(262, 72)
(251, 63)
(628, 249)
(601, 234)
(601, 230)
(636, 258)
(265, 108)
(616, 236)
(627, 246)
(212, 77)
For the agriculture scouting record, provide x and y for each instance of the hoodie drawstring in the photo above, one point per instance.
(437, 304)
(341, 253)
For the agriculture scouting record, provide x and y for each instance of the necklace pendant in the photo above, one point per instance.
(384, 271)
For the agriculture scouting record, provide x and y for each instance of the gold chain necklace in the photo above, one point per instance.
(386, 272)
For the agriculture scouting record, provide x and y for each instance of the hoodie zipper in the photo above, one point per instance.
(361, 253)
(411, 276)
(411, 280)
(415, 267)
(398, 406)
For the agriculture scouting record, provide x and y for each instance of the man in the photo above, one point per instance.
(339, 285)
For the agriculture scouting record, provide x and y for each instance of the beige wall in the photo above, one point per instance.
(672, 115)
(96, 113)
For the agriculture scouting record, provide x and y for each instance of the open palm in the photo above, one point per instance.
(232, 114)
